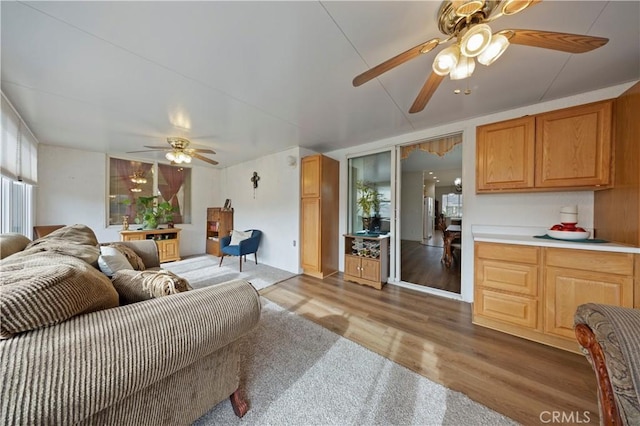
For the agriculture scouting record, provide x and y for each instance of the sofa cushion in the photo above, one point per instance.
(111, 260)
(132, 257)
(238, 236)
(12, 243)
(47, 288)
(137, 286)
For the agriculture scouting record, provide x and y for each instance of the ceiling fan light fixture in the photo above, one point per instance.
(496, 48)
(446, 60)
(464, 69)
(511, 7)
(467, 7)
(475, 40)
(171, 156)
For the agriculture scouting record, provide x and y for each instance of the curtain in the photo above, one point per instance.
(438, 146)
(19, 148)
(173, 181)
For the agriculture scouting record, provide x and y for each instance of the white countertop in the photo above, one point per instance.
(525, 236)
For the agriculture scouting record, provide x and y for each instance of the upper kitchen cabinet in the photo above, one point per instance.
(567, 149)
(505, 155)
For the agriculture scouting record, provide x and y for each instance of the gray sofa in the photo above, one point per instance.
(166, 360)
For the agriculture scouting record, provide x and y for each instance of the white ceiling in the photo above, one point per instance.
(249, 79)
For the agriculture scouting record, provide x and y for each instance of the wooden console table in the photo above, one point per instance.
(168, 241)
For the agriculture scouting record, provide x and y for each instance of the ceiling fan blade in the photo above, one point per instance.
(389, 64)
(148, 150)
(200, 157)
(430, 86)
(156, 147)
(203, 151)
(564, 42)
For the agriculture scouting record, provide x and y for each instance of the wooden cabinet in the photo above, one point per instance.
(219, 224)
(505, 155)
(319, 215)
(533, 292)
(559, 150)
(167, 240)
(574, 277)
(507, 283)
(366, 260)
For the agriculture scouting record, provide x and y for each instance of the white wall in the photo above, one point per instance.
(528, 209)
(275, 210)
(411, 206)
(72, 188)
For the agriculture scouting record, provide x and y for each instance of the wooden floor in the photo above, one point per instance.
(434, 337)
(422, 265)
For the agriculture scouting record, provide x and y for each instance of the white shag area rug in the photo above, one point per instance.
(296, 372)
(203, 270)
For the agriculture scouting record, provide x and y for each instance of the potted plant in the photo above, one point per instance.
(368, 200)
(151, 213)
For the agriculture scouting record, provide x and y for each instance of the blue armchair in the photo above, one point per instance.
(245, 247)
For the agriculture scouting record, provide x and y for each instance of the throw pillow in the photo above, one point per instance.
(12, 243)
(112, 261)
(137, 286)
(47, 288)
(133, 258)
(237, 236)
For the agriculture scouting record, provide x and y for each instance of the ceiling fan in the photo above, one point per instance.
(179, 151)
(466, 22)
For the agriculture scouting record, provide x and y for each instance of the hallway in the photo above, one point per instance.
(421, 265)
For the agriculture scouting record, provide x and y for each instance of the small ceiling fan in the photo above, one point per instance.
(466, 21)
(179, 151)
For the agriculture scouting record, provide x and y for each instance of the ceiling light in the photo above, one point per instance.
(464, 68)
(446, 60)
(171, 156)
(467, 7)
(136, 189)
(475, 40)
(497, 47)
(138, 177)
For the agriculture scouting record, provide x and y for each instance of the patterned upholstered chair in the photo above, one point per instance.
(610, 339)
(242, 248)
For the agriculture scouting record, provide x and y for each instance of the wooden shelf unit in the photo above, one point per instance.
(366, 260)
(167, 240)
(219, 224)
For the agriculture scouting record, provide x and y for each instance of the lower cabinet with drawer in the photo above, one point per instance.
(533, 292)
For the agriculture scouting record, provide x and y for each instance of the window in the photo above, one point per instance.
(129, 180)
(452, 205)
(17, 207)
(19, 172)
(370, 192)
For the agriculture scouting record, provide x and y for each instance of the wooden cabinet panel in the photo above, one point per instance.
(508, 252)
(310, 176)
(168, 250)
(573, 146)
(566, 289)
(510, 277)
(586, 260)
(508, 308)
(352, 265)
(505, 155)
(370, 269)
(310, 233)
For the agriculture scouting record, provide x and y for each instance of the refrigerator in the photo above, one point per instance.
(428, 219)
